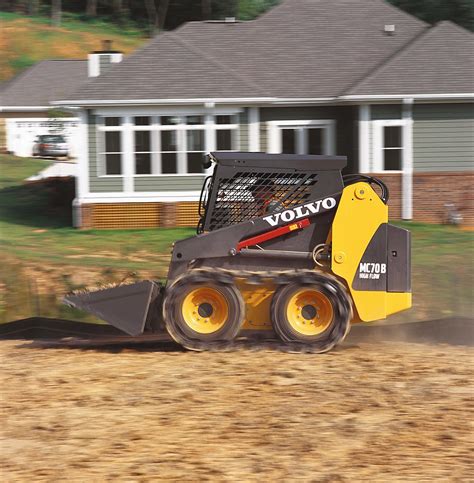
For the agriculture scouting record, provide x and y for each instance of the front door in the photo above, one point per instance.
(301, 137)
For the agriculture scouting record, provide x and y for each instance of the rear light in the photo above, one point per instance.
(42, 146)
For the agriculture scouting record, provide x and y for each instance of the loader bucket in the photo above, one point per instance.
(126, 307)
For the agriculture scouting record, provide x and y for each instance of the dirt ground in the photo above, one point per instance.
(365, 411)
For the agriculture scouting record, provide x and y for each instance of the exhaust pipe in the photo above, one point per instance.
(132, 308)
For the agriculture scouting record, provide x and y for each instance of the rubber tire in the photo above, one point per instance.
(341, 305)
(181, 332)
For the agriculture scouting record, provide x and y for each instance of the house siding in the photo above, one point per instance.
(443, 137)
(168, 183)
(244, 130)
(98, 184)
(386, 111)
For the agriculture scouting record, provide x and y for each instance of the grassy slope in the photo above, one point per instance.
(33, 233)
(27, 40)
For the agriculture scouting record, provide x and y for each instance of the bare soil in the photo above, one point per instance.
(372, 411)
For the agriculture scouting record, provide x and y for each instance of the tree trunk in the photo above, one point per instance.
(91, 8)
(56, 12)
(162, 11)
(33, 7)
(152, 16)
(206, 9)
(117, 7)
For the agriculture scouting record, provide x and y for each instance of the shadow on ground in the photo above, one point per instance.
(57, 333)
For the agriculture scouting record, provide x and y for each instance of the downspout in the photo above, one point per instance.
(407, 175)
(364, 126)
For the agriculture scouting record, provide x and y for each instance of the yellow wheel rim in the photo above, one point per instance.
(205, 310)
(309, 312)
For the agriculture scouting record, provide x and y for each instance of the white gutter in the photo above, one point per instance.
(467, 95)
(262, 100)
(118, 102)
(23, 108)
(223, 100)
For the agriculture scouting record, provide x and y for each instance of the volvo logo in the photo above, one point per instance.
(301, 211)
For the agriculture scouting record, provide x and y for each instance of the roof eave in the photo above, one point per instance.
(194, 101)
(24, 108)
(414, 96)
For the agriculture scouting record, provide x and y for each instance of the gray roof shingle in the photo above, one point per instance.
(299, 49)
(439, 61)
(44, 82)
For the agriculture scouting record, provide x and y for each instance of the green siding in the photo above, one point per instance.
(243, 131)
(98, 184)
(168, 183)
(443, 137)
(386, 111)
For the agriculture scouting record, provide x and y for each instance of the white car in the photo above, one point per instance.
(50, 145)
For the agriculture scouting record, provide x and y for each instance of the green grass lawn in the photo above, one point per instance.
(41, 251)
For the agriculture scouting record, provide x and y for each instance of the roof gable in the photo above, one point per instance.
(299, 49)
(439, 61)
(44, 82)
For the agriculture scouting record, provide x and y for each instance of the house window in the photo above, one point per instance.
(392, 148)
(302, 137)
(143, 152)
(170, 144)
(184, 140)
(112, 121)
(111, 146)
(195, 150)
(142, 120)
(388, 145)
(226, 129)
(169, 152)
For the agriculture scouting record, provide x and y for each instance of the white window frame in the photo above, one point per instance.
(100, 143)
(235, 134)
(378, 144)
(154, 144)
(128, 128)
(328, 126)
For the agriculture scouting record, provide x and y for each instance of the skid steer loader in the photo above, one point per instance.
(286, 246)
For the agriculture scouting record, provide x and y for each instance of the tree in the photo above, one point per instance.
(33, 7)
(91, 8)
(56, 12)
(250, 9)
(117, 10)
(152, 16)
(156, 16)
(206, 9)
(433, 11)
(162, 11)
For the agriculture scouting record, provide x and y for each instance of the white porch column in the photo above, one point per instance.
(128, 149)
(82, 178)
(407, 176)
(254, 129)
(364, 126)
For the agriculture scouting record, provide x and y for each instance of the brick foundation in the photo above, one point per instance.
(431, 191)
